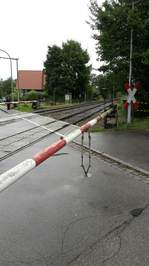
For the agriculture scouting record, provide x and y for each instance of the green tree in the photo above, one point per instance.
(5, 87)
(53, 69)
(67, 70)
(112, 23)
(1, 89)
(104, 85)
(76, 73)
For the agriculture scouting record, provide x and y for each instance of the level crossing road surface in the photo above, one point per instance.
(21, 130)
(56, 216)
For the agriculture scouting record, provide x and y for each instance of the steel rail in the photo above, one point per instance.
(49, 132)
(77, 118)
(40, 127)
(53, 110)
(11, 176)
(27, 130)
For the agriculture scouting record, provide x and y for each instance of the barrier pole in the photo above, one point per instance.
(11, 176)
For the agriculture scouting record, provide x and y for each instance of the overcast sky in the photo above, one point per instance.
(29, 26)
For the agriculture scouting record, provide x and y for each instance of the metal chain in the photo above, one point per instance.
(86, 170)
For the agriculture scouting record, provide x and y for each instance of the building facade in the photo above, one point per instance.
(28, 80)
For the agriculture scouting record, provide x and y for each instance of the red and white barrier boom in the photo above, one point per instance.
(15, 173)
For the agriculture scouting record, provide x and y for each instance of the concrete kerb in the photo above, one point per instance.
(116, 160)
(15, 173)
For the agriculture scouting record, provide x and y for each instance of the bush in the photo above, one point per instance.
(14, 95)
(122, 113)
(32, 95)
(24, 107)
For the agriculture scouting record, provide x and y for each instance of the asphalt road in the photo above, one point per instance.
(130, 146)
(56, 216)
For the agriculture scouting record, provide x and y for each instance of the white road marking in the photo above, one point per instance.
(37, 124)
(44, 127)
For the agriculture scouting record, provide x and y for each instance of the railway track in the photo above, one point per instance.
(76, 114)
(23, 130)
(60, 109)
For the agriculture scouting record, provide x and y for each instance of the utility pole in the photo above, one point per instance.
(130, 63)
(130, 70)
(17, 79)
(10, 72)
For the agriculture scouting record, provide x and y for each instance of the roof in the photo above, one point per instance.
(30, 79)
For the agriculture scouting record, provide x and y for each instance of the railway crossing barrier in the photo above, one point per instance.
(12, 104)
(143, 109)
(108, 123)
(86, 169)
(11, 176)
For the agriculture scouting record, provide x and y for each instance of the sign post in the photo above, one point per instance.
(68, 98)
(131, 100)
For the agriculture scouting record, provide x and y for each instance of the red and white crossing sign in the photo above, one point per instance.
(131, 94)
(131, 90)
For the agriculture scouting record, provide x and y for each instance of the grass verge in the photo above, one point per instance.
(24, 107)
(137, 123)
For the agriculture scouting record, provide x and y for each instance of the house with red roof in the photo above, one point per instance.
(28, 80)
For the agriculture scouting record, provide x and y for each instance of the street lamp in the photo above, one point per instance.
(130, 60)
(16, 59)
(17, 78)
(10, 71)
(103, 94)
